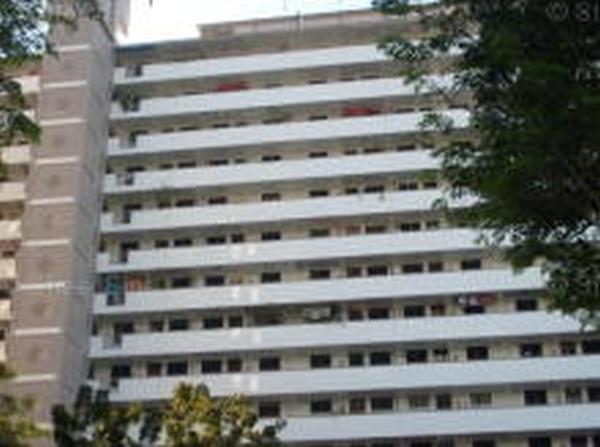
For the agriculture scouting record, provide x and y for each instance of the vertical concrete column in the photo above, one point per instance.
(48, 344)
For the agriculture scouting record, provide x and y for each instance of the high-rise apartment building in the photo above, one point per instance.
(267, 229)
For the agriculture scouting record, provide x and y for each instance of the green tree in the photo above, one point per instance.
(531, 70)
(26, 30)
(195, 419)
(16, 428)
(95, 422)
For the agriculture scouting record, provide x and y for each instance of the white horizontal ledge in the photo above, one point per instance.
(320, 292)
(330, 248)
(282, 211)
(535, 420)
(494, 373)
(422, 330)
(251, 64)
(372, 126)
(265, 173)
(276, 97)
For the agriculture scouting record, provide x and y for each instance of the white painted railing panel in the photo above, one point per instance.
(438, 241)
(374, 332)
(8, 269)
(16, 155)
(251, 64)
(316, 292)
(12, 191)
(264, 173)
(10, 230)
(372, 126)
(474, 374)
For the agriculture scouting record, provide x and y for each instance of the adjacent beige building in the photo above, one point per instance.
(252, 210)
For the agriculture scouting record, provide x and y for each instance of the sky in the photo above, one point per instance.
(177, 19)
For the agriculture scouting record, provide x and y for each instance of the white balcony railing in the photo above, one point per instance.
(16, 155)
(431, 424)
(5, 314)
(248, 65)
(371, 126)
(302, 336)
(12, 192)
(10, 230)
(316, 292)
(417, 243)
(280, 97)
(7, 269)
(497, 373)
(264, 173)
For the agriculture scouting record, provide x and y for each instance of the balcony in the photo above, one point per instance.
(286, 133)
(10, 230)
(12, 192)
(16, 155)
(418, 243)
(489, 422)
(7, 269)
(301, 336)
(263, 212)
(5, 314)
(336, 92)
(265, 173)
(29, 84)
(252, 64)
(318, 292)
(497, 373)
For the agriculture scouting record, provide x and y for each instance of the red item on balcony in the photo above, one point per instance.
(232, 86)
(360, 111)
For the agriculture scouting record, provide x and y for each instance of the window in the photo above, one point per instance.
(271, 157)
(568, 348)
(269, 364)
(412, 268)
(320, 406)
(270, 236)
(573, 395)
(480, 399)
(408, 186)
(319, 274)
(318, 193)
(319, 232)
(438, 310)
(435, 267)
(161, 243)
(234, 365)
(177, 368)
(270, 277)
(379, 358)
(377, 270)
(358, 405)
(535, 397)
(409, 227)
(477, 353)
(418, 401)
(355, 314)
(483, 443)
(375, 229)
(237, 238)
(350, 191)
(179, 324)
(213, 323)
(540, 442)
(153, 369)
(317, 154)
(157, 326)
(269, 409)
(382, 403)
(353, 272)
(356, 359)
(443, 402)
(236, 321)
(470, 264)
(594, 394)
(379, 313)
(320, 361)
(218, 162)
(218, 200)
(526, 305)
(578, 441)
(270, 197)
(184, 242)
(414, 311)
(531, 350)
(416, 356)
(590, 346)
(120, 371)
(440, 354)
(216, 240)
(214, 280)
(432, 224)
(185, 203)
(211, 366)
(180, 282)
(374, 189)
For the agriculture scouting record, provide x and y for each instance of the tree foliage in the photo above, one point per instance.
(16, 428)
(531, 70)
(26, 34)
